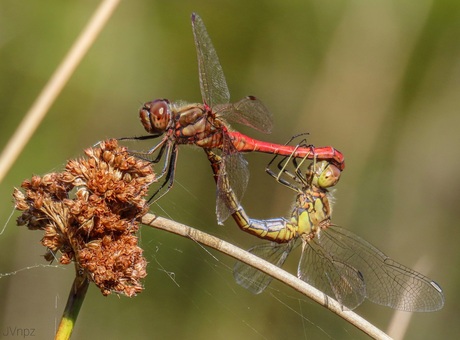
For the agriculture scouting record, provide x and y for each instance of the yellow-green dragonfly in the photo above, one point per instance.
(334, 260)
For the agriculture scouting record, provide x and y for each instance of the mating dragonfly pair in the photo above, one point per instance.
(334, 260)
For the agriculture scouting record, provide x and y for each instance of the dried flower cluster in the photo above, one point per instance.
(89, 215)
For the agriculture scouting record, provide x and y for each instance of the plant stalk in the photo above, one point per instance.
(75, 300)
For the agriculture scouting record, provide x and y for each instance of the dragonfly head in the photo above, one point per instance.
(155, 116)
(324, 174)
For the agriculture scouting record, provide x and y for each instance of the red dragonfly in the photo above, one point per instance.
(204, 125)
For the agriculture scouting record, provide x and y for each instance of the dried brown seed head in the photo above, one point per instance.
(89, 214)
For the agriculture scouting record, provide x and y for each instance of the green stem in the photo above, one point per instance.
(75, 300)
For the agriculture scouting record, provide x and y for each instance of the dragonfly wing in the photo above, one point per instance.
(233, 180)
(319, 267)
(213, 86)
(253, 279)
(387, 282)
(249, 111)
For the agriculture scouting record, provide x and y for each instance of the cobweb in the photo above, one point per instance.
(189, 292)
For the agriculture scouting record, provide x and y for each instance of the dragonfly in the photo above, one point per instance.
(205, 125)
(333, 259)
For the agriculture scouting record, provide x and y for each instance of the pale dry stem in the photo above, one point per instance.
(267, 268)
(53, 88)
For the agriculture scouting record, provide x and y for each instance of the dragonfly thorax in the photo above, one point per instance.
(311, 208)
(155, 116)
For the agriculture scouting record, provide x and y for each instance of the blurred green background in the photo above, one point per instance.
(378, 80)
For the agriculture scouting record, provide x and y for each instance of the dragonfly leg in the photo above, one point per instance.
(277, 175)
(144, 155)
(160, 153)
(282, 166)
(151, 136)
(170, 164)
(169, 149)
(299, 176)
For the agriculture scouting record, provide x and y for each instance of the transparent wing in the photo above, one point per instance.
(234, 172)
(249, 111)
(213, 86)
(387, 282)
(233, 180)
(253, 279)
(319, 267)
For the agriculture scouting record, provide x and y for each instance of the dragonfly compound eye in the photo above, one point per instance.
(329, 176)
(155, 116)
